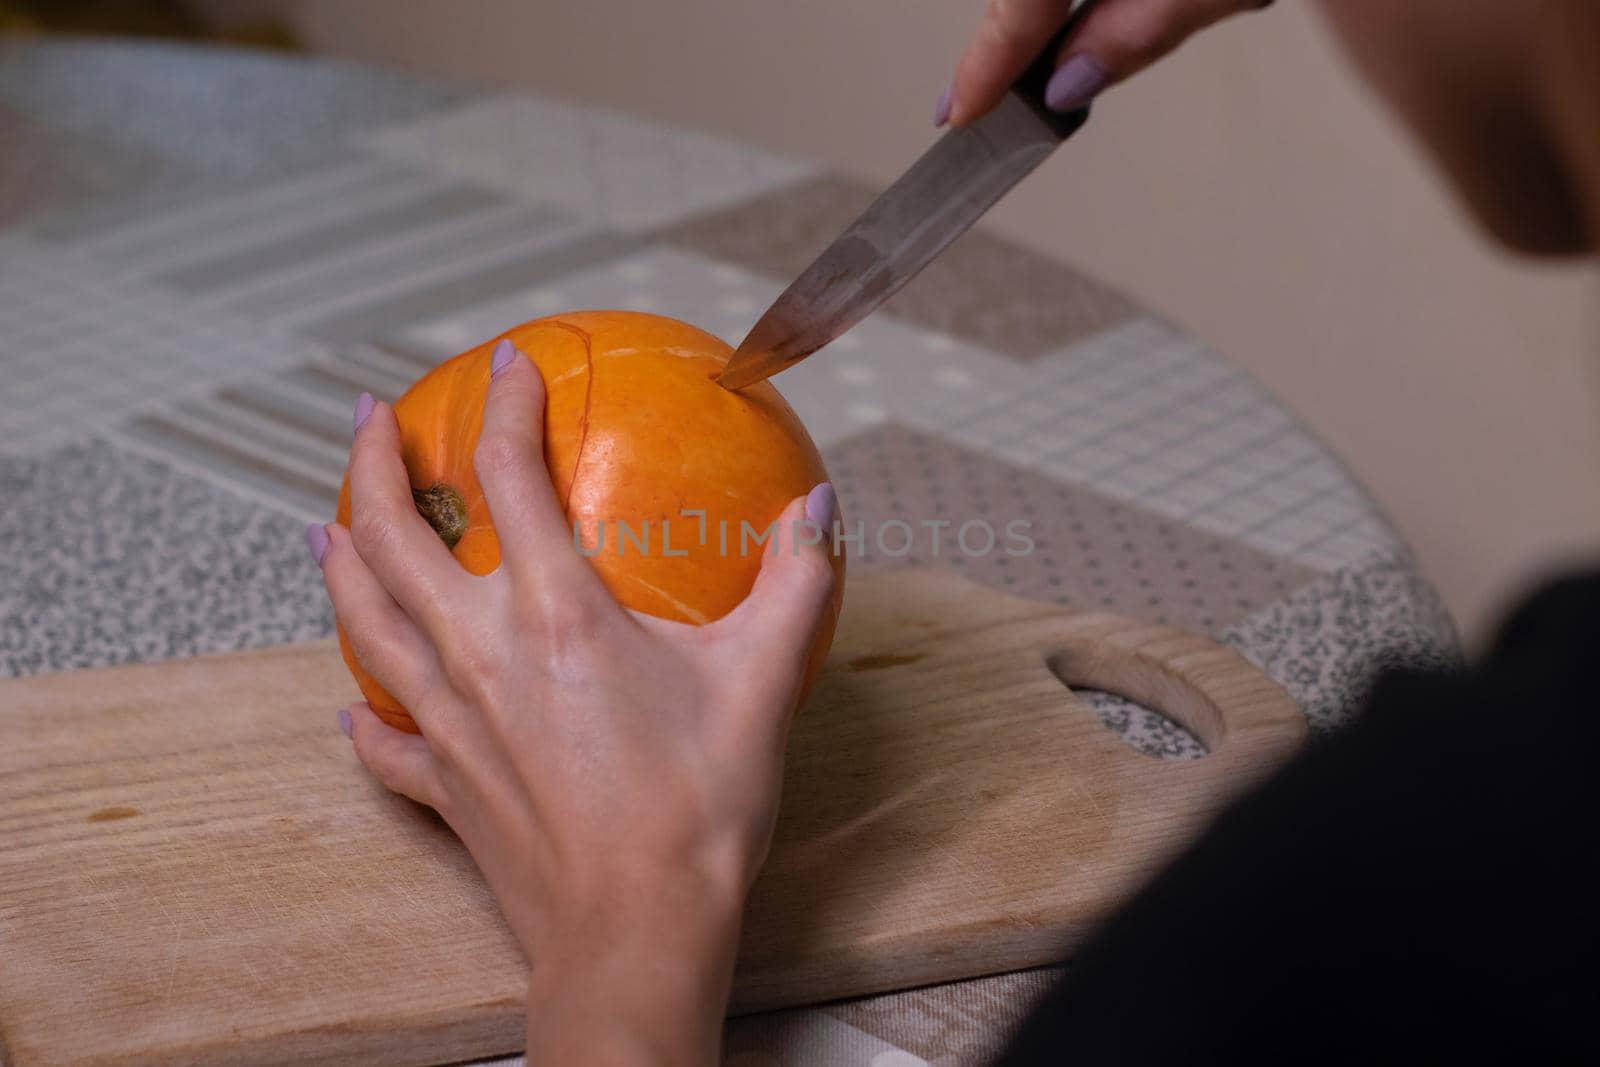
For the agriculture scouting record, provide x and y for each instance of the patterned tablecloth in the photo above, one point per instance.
(204, 255)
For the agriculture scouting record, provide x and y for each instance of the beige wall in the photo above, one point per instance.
(1248, 188)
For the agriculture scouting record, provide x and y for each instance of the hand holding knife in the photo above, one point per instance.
(963, 175)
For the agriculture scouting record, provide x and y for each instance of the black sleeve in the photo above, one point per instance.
(1420, 888)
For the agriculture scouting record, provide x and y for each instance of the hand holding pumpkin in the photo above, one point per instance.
(615, 775)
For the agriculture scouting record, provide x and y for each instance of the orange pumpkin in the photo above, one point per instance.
(636, 432)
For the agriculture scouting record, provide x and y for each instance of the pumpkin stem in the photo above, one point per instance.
(445, 511)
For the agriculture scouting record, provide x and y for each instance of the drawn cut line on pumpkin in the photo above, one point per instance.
(588, 400)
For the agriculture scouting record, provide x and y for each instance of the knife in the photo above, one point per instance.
(965, 172)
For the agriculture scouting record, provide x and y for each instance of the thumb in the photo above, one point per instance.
(796, 581)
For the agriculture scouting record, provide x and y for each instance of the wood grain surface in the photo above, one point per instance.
(194, 869)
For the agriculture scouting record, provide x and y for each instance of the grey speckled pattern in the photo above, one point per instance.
(1327, 642)
(122, 559)
(244, 114)
(41, 169)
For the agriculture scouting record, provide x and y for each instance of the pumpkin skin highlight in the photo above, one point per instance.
(636, 431)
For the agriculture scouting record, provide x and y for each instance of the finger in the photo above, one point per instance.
(394, 540)
(384, 638)
(535, 539)
(401, 761)
(1117, 39)
(1012, 35)
(1113, 40)
(778, 620)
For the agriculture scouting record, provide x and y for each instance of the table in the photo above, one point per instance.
(205, 254)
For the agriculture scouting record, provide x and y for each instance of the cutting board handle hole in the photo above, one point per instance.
(1144, 729)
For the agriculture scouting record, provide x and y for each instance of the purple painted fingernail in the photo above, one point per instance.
(364, 404)
(345, 725)
(317, 541)
(941, 110)
(504, 353)
(820, 503)
(1079, 81)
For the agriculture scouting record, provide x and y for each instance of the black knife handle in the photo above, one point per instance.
(1030, 87)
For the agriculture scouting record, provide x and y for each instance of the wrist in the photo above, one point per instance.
(617, 910)
(644, 968)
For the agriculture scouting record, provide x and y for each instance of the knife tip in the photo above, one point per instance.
(730, 382)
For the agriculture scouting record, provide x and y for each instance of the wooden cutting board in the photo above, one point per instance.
(195, 869)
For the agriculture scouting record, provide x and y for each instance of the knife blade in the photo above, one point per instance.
(965, 172)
